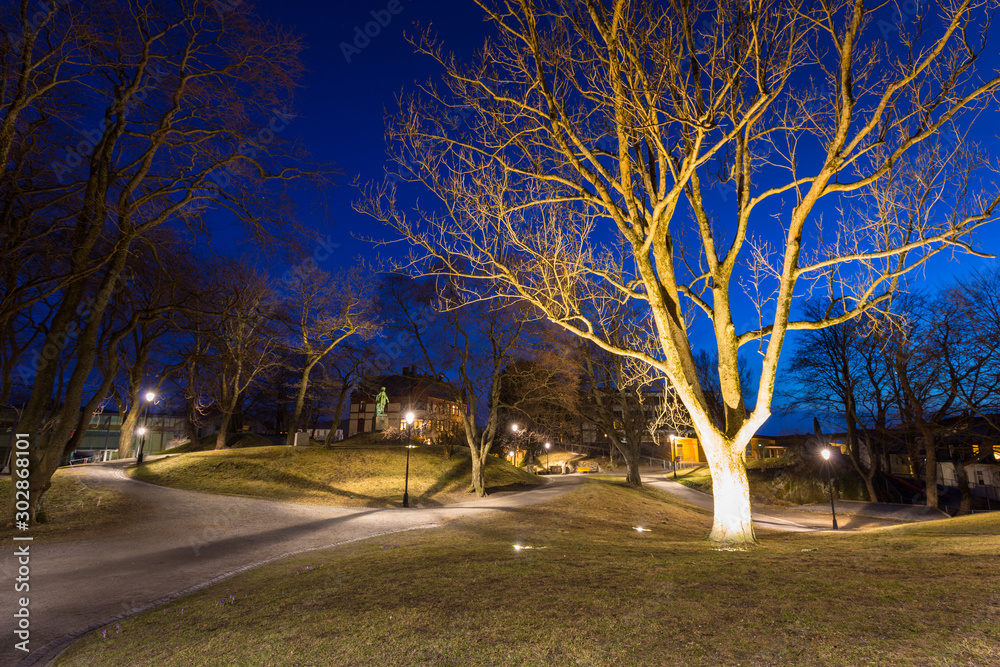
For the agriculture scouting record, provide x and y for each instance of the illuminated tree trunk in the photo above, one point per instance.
(478, 475)
(733, 522)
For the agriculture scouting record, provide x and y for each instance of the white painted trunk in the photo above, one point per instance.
(733, 520)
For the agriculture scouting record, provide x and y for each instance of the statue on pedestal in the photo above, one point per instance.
(380, 418)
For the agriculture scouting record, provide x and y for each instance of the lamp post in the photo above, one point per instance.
(150, 397)
(547, 445)
(142, 439)
(409, 436)
(829, 468)
(514, 428)
(673, 453)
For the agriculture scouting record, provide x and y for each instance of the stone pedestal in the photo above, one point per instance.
(381, 423)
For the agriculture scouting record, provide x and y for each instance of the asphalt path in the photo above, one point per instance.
(187, 540)
(775, 518)
(190, 540)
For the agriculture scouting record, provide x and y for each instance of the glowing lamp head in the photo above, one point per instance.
(547, 445)
(150, 396)
(513, 427)
(409, 418)
(826, 454)
(141, 430)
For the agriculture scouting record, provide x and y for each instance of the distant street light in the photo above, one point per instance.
(409, 437)
(673, 453)
(547, 445)
(150, 397)
(829, 467)
(514, 428)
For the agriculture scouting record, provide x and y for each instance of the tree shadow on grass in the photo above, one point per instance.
(255, 472)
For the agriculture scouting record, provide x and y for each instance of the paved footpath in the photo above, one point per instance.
(186, 541)
(806, 518)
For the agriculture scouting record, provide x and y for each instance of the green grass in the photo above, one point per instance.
(233, 440)
(592, 591)
(371, 476)
(74, 509)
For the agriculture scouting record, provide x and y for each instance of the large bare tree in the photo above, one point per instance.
(180, 107)
(330, 310)
(698, 156)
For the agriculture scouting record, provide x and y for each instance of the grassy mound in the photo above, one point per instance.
(233, 441)
(74, 509)
(352, 475)
(592, 590)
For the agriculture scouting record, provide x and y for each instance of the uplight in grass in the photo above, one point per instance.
(640, 529)
(518, 547)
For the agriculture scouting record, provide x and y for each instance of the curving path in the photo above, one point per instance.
(189, 540)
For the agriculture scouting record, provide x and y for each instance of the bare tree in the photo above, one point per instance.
(677, 156)
(181, 105)
(331, 310)
(842, 368)
(470, 343)
(245, 341)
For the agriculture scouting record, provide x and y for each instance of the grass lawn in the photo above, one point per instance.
(371, 476)
(233, 440)
(74, 509)
(591, 590)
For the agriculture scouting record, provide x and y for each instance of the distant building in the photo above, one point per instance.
(429, 398)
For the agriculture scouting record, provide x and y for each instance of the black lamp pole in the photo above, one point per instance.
(673, 453)
(406, 481)
(829, 469)
(142, 440)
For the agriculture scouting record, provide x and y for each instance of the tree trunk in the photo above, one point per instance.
(127, 435)
(479, 473)
(869, 477)
(300, 399)
(962, 475)
(930, 467)
(50, 446)
(732, 522)
(220, 437)
(192, 431)
(337, 414)
(630, 453)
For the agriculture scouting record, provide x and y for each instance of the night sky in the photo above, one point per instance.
(344, 97)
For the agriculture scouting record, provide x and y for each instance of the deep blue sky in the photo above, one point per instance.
(342, 104)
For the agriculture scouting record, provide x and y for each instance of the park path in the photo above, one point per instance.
(851, 516)
(188, 540)
(185, 541)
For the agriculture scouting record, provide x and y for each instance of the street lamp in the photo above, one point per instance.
(150, 397)
(829, 467)
(673, 453)
(142, 439)
(547, 445)
(409, 437)
(514, 427)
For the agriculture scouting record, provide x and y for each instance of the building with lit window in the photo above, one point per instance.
(430, 399)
